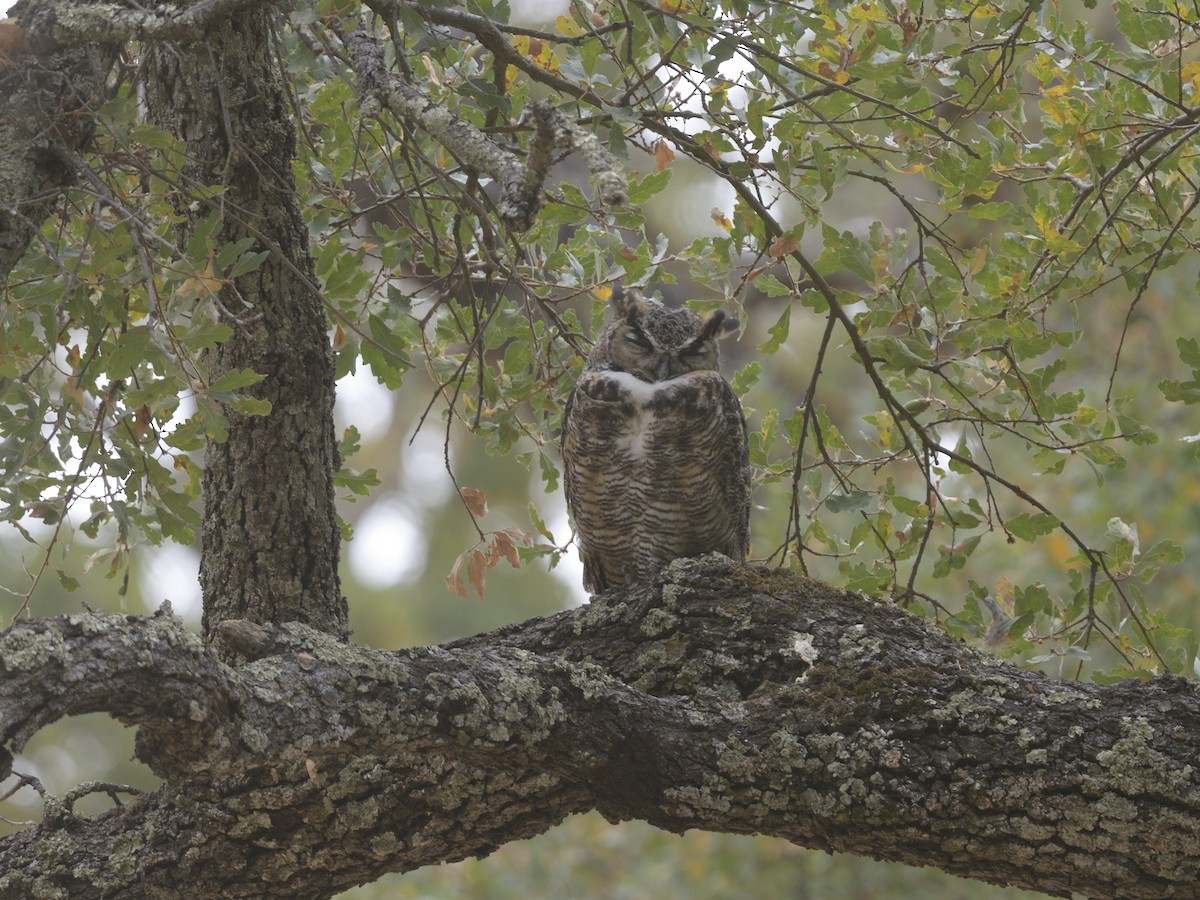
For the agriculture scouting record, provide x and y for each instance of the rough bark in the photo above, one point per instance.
(271, 538)
(725, 697)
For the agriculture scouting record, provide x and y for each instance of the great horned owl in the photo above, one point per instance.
(654, 445)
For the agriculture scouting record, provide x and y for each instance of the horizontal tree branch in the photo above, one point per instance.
(725, 698)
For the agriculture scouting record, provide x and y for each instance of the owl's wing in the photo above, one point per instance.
(737, 468)
(587, 468)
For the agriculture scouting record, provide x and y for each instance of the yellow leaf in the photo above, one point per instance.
(1003, 595)
(537, 50)
(211, 282)
(721, 219)
(866, 13)
(567, 26)
(201, 284)
(976, 260)
(602, 292)
(430, 70)
(1191, 75)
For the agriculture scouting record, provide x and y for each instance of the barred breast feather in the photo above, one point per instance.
(654, 471)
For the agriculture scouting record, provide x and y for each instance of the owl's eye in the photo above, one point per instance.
(637, 339)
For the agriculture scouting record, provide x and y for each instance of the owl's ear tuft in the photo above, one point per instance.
(718, 324)
(629, 303)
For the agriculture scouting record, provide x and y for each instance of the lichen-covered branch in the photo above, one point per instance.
(726, 698)
(147, 671)
(54, 24)
(521, 183)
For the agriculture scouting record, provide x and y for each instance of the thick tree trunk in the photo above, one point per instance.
(725, 698)
(271, 538)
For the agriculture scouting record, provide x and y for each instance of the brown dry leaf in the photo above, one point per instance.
(785, 245)
(825, 70)
(476, 501)
(14, 43)
(505, 547)
(476, 571)
(141, 422)
(339, 338)
(454, 582)
(663, 154)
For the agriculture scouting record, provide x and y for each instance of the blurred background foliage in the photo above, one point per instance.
(954, 212)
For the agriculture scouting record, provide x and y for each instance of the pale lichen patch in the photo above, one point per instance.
(803, 647)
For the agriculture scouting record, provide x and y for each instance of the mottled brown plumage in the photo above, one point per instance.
(654, 445)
